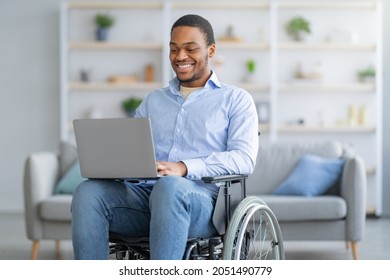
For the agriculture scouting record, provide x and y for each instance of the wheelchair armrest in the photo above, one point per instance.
(224, 178)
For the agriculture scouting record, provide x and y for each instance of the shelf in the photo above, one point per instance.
(242, 46)
(220, 5)
(326, 46)
(108, 86)
(114, 46)
(367, 5)
(320, 87)
(114, 5)
(144, 85)
(325, 129)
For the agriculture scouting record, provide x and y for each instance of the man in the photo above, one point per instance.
(201, 127)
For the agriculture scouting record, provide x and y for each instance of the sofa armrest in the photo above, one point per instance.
(41, 172)
(353, 190)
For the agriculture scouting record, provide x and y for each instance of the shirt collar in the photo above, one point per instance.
(212, 82)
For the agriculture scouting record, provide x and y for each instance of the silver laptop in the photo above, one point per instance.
(115, 148)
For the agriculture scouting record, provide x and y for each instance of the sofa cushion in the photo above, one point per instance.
(299, 208)
(56, 208)
(276, 160)
(313, 175)
(71, 179)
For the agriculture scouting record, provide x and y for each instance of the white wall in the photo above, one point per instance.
(29, 67)
(29, 97)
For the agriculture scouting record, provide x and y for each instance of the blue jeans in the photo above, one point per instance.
(169, 212)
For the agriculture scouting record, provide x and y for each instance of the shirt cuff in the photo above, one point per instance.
(196, 168)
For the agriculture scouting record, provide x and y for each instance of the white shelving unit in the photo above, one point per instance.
(141, 36)
(135, 41)
(323, 106)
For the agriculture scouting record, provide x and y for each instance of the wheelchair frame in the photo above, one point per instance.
(247, 227)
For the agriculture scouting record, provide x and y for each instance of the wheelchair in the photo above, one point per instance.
(248, 229)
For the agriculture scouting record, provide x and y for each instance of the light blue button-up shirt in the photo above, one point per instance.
(214, 131)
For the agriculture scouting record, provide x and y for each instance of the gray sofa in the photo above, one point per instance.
(338, 214)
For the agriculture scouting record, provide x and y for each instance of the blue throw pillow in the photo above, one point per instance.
(71, 179)
(313, 175)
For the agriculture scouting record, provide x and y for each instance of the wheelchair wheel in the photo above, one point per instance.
(253, 233)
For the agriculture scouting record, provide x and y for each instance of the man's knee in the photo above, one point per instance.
(86, 188)
(88, 192)
(169, 187)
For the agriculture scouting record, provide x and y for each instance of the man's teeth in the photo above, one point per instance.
(184, 66)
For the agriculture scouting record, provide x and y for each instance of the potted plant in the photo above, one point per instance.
(366, 75)
(297, 28)
(130, 105)
(250, 67)
(103, 23)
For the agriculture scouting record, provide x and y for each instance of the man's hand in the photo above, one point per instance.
(166, 168)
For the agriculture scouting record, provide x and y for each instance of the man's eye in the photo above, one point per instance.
(192, 50)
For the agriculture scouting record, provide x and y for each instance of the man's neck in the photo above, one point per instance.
(186, 91)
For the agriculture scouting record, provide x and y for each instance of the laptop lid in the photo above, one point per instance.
(115, 148)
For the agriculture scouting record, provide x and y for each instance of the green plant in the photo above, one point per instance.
(297, 25)
(368, 72)
(251, 65)
(104, 20)
(131, 104)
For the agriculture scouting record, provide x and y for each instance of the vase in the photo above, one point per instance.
(102, 34)
(299, 36)
(130, 113)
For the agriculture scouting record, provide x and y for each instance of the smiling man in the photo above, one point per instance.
(201, 127)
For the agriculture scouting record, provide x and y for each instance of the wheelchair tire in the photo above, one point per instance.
(253, 233)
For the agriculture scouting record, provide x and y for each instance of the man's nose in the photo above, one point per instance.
(181, 55)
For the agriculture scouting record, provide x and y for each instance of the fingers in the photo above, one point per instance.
(166, 168)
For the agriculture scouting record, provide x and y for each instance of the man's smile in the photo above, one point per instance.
(183, 66)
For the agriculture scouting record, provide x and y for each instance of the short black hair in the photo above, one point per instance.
(199, 22)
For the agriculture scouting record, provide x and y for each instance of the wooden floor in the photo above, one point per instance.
(376, 244)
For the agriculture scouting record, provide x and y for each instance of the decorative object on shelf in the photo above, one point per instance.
(229, 36)
(298, 121)
(103, 23)
(251, 68)
(263, 112)
(353, 117)
(130, 105)
(85, 75)
(297, 28)
(363, 115)
(149, 73)
(308, 72)
(366, 74)
(122, 79)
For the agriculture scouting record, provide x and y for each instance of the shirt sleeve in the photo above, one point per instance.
(242, 144)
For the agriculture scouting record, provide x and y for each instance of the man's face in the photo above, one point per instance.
(189, 56)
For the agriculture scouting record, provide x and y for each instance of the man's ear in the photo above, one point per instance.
(212, 50)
